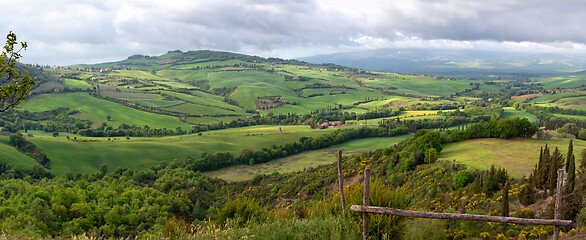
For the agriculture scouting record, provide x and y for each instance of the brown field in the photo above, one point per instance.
(528, 96)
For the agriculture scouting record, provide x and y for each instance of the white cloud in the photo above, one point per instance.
(68, 31)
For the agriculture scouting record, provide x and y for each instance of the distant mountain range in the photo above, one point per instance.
(449, 61)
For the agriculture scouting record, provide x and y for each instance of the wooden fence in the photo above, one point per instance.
(366, 209)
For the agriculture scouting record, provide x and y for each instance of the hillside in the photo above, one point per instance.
(204, 144)
(156, 100)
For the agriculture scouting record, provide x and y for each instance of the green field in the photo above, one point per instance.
(565, 81)
(517, 156)
(99, 109)
(140, 153)
(510, 112)
(73, 83)
(420, 85)
(155, 103)
(570, 116)
(554, 98)
(210, 120)
(187, 83)
(304, 160)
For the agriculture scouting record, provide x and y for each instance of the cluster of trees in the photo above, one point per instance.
(506, 128)
(490, 181)
(545, 175)
(550, 121)
(130, 131)
(424, 147)
(29, 148)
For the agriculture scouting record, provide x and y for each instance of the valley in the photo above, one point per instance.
(206, 137)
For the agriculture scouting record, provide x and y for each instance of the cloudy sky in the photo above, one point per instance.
(61, 32)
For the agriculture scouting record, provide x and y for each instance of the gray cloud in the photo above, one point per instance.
(74, 31)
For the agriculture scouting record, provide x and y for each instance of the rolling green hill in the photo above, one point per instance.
(144, 152)
(518, 156)
(183, 89)
(98, 109)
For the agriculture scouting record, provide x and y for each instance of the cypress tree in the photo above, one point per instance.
(583, 162)
(571, 180)
(556, 161)
(527, 193)
(540, 163)
(505, 201)
(544, 169)
(570, 154)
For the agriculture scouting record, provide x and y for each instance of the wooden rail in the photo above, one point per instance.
(365, 209)
(458, 216)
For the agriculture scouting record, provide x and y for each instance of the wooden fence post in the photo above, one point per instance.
(366, 202)
(341, 180)
(558, 203)
(365, 209)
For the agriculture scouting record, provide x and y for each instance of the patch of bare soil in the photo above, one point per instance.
(398, 104)
(362, 76)
(528, 96)
(167, 61)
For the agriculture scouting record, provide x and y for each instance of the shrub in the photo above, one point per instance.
(462, 179)
(241, 211)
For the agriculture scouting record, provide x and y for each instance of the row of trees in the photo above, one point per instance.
(215, 161)
(29, 148)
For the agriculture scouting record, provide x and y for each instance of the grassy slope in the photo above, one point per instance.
(565, 81)
(304, 160)
(139, 153)
(419, 85)
(98, 108)
(10, 155)
(510, 112)
(518, 156)
(73, 83)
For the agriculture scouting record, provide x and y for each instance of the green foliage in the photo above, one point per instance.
(557, 162)
(381, 226)
(14, 84)
(241, 211)
(17, 140)
(571, 178)
(582, 134)
(527, 195)
(462, 179)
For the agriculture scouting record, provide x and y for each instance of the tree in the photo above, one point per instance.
(462, 179)
(570, 154)
(14, 84)
(527, 194)
(571, 179)
(557, 161)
